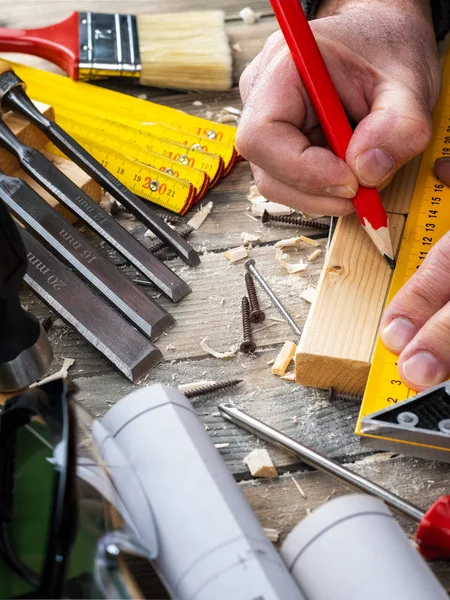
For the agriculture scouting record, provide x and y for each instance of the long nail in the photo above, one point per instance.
(373, 166)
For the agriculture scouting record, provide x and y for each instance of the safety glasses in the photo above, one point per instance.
(38, 501)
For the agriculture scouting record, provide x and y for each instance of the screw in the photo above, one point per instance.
(248, 345)
(334, 395)
(171, 219)
(250, 266)
(158, 245)
(117, 209)
(47, 323)
(212, 387)
(256, 315)
(288, 220)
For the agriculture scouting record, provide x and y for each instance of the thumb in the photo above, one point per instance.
(397, 128)
(442, 169)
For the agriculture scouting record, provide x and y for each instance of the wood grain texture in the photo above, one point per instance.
(338, 339)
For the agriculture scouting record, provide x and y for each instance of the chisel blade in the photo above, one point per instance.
(15, 99)
(31, 210)
(94, 319)
(39, 168)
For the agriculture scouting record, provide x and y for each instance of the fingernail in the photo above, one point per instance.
(442, 169)
(373, 166)
(341, 191)
(397, 334)
(423, 370)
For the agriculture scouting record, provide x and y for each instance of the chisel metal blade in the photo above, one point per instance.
(13, 97)
(31, 210)
(39, 168)
(88, 314)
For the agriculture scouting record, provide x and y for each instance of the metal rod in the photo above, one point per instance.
(250, 266)
(317, 460)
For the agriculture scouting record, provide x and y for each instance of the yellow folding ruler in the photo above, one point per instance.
(161, 154)
(428, 220)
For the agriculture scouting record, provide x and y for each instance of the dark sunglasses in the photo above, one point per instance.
(49, 412)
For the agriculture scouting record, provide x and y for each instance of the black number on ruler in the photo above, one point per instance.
(429, 226)
(396, 382)
(392, 400)
(426, 241)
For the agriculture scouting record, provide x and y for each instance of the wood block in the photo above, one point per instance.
(260, 464)
(27, 133)
(30, 135)
(74, 173)
(283, 359)
(339, 335)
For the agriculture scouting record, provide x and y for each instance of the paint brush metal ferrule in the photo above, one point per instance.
(109, 46)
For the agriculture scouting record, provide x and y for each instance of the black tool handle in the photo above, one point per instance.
(18, 329)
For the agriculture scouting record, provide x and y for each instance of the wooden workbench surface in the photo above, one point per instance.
(213, 310)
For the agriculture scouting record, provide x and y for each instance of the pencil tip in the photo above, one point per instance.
(390, 261)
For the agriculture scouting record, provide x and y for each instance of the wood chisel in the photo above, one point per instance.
(88, 313)
(13, 97)
(71, 196)
(31, 210)
(25, 352)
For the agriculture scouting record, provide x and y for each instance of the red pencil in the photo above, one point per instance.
(330, 112)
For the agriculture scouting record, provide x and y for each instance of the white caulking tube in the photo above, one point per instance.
(211, 545)
(352, 548)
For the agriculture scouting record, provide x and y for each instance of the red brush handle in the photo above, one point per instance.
(324, 98)
(57, 43)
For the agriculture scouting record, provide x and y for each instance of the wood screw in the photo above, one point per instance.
(288, 220)
(171, 219)
(158, 245)
(212, 387)
(117, 209)
(256, 314)
(333, 395)
(247, 345)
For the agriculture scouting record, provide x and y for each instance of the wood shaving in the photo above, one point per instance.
(248, 238)
(253, 192)
(223, 445)
(170, 347)
(309, 241)
(309, 294)
(272, 534)
(270, 362)
(231, 352)
(297, 485)
(61, 374)
(271, 207)
(317, 252)
(289, 377)
(248, 15)
(232, 110)
(226, 118)
(237, 47)
(250, 217)
(187, 387)
(292, 242)
(235, 254)
(291, 268)
(196, 221)
(284, 358)
(197, 103)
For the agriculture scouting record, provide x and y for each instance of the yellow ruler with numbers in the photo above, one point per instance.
(161, 154)
(428, 220)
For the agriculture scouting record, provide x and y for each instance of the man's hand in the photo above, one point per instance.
(416, 324)
(382, 57)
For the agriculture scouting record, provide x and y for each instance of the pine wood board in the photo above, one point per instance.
(337, 342)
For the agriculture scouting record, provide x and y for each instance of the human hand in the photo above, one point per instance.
(416, 324)
(382, 58)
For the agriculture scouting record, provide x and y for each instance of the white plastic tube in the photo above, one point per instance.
(352, 548)
(211, 545)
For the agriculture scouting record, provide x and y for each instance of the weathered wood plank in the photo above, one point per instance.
(278, 503)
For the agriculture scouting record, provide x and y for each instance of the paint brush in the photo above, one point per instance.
(187, 50)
